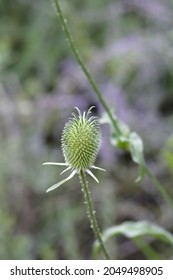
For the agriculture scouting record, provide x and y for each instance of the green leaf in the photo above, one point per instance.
(136, 147)
(136, 150)
(127, 141)
(118, 140)
(124, 129)
(133, 230)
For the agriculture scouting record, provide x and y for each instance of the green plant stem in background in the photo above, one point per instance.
(78, 57)
(91, 213)
(147, 250)
(96, 89)
(159, 186)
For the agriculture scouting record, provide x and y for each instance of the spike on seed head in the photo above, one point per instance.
(81, 139)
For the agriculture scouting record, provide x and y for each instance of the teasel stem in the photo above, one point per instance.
(91, 213)
(159, 186)
(79, 59)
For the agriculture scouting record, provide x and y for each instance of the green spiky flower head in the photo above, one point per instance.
(81, 140)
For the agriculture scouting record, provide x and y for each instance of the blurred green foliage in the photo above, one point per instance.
(32, 44)
(128, 46)
(168, 153)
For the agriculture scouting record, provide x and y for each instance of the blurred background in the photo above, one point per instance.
(128, 47)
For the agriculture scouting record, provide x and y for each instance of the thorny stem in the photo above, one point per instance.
(78, 57)
(91, 212)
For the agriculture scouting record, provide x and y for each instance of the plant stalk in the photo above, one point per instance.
(79, 59)
(159, 186)
(91, 213)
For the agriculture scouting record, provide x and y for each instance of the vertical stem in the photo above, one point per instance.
(159, 186)
(91, 213)
(79, 59)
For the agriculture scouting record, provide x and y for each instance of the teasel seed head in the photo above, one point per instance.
(81, 139)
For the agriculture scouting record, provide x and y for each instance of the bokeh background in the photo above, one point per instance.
(128, 47)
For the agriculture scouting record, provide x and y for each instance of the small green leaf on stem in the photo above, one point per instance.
(136, 151)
